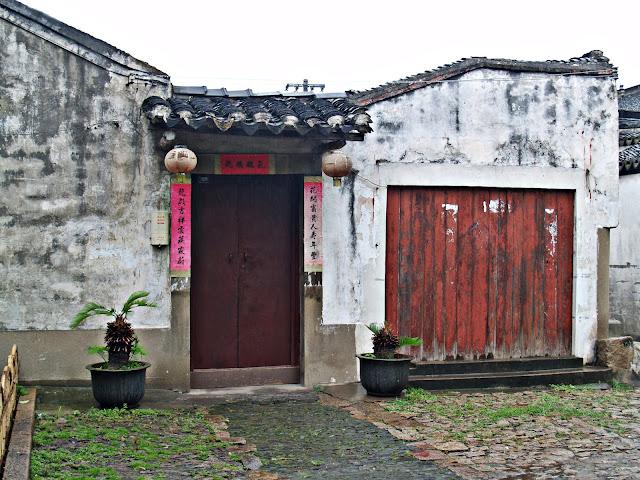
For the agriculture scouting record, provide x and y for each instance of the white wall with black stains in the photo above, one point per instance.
(487, 128)
(81, 176)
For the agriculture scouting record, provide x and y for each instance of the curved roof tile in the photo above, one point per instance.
(248, 113)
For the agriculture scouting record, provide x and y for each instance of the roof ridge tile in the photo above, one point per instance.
(591, 63)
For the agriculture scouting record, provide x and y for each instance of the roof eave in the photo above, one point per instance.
(260, 132)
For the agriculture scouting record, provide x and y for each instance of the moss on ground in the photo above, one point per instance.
(120, 443)
(474, 415)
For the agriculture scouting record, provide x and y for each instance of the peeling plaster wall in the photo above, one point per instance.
(80, 177)
(624, 268)
(488, 128)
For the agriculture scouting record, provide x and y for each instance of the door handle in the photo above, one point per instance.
(244, 260)
(230, 257)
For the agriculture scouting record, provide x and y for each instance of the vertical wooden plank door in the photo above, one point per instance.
(245, 289)
(480, 273)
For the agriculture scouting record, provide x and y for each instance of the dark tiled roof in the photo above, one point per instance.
(250, 113)
(628, 123)
(592, 63)
(629, 136)
(629, 160)
(629, 99)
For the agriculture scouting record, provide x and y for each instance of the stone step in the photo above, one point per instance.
(453, 367)
(526, 378)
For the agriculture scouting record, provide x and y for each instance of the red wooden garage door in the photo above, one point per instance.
(480, 273)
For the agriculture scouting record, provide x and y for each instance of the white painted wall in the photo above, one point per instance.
(624, 261)
(491, 129)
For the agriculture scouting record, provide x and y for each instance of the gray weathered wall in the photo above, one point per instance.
(80, 177)
(488, 128)
(625, 255)
(625, 261)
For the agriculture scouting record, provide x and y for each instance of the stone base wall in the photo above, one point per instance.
(59, 357)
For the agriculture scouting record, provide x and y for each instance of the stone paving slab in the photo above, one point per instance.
(309, 440)
(588, 433)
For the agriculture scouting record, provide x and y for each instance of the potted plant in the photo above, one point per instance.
(385, 372)
(119, 379)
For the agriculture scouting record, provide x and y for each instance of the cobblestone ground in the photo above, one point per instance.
(311, 440)
(564, 432)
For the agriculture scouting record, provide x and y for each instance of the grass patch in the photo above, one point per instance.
(621, 386)
(477, 416)
(547, 405)
(116, 443)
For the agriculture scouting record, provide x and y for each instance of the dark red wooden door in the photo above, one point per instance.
(480, 273)
(244, 291)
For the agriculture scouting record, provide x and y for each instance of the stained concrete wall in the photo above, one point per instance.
(80, 178)
(328, 350)
(624, 268)
(57, 357)
(487, 128)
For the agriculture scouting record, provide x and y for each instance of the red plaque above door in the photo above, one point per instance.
(245, 164)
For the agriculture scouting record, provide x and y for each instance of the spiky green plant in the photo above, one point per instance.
(120, 337)
(385, 343)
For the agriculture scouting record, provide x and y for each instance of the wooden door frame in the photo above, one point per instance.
(270, 375)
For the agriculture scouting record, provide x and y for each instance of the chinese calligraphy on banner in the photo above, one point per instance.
(180, 263)
(244, 164)
(313, 224)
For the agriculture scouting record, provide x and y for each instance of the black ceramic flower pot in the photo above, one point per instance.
(115, 388)
(384, 377)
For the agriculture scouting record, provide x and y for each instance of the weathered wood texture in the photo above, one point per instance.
(480, 273)
(8, 399)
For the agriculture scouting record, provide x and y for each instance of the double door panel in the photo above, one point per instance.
(245, 292)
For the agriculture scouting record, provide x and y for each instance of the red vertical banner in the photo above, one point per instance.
(180, 263)
(313, 224)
